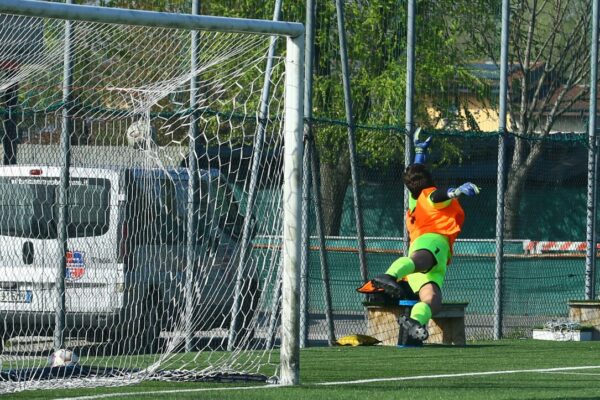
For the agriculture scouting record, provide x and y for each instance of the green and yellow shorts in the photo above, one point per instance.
(439, 246)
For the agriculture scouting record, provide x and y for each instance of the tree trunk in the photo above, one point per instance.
(517, 177)
(334, 183)
(512, 203)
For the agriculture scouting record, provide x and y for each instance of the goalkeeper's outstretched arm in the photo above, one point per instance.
(441, 195)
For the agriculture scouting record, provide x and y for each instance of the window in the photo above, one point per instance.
(158, 206)
(29, 207)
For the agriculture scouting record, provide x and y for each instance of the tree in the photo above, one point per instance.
(549, 72)
(376, 32)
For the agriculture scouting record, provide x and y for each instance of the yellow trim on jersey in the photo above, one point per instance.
(438, 206)
(412, 203)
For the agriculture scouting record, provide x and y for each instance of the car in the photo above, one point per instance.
(127, 272)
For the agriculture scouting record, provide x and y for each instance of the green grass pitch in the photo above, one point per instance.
(487, 370)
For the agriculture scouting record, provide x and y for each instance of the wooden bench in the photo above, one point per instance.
(586, 312)
(445, 327)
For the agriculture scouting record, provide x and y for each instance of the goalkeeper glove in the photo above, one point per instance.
(420, 147)
(468, 189)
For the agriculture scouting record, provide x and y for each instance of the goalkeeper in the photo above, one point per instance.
(434, 220)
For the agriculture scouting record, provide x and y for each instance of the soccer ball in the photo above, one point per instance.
(139, 134)
(62, 358)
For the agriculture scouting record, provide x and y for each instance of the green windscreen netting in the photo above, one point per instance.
(544, 264)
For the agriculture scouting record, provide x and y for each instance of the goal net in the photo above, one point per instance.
(148, 197)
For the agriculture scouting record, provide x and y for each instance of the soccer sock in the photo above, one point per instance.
(421, 312)
(401, 267)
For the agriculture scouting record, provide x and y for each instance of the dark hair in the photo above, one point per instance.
(416, 177)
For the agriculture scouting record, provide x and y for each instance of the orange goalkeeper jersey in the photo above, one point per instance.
(445, 218)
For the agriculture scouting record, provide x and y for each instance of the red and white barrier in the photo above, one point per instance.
(539, 247)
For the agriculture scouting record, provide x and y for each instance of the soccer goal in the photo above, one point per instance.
(149, 197)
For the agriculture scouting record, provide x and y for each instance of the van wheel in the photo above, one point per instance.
(251, 295)
(138, 329)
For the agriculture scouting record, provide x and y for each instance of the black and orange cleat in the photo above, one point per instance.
(389, 284)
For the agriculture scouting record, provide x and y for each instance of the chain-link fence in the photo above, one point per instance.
(544, 263)
(456, 101)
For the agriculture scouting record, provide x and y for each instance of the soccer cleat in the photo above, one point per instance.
(414, 328)
(389, 285)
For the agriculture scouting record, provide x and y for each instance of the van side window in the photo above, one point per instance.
(88, 210)
(26, 210)
(29, 207)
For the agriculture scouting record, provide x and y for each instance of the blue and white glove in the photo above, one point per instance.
(420, 147)
(468, 189)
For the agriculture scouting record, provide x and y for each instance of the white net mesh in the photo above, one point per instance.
(143, 299)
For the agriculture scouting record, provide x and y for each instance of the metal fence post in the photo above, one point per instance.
(259, 142)
(193, 185)
(499, 261)
(590, 254)
(65, 147)
(408, 113)
(351, 139)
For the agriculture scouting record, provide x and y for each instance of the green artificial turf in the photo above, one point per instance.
(403, 373)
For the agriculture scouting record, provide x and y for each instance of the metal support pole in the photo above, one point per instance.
(305, 239)
(351, 139)
(590, 254)
(193, 197)
(324, 261)
(242, 271)
(305, 232)
(65, 147)
(311, 176)
(275, 308)
(409, 114)
(501, 171)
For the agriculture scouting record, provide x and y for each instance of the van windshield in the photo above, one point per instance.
(29, 207)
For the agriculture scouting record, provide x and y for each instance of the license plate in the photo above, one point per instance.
(16, 296)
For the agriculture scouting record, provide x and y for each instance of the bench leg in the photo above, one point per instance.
(383, 325)
(447, 331)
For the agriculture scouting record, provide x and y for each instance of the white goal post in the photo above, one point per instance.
(139, 108)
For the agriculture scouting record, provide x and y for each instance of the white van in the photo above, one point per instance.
(126, 253)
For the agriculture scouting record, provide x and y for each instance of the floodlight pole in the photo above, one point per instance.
(590, 254)
(499, 261)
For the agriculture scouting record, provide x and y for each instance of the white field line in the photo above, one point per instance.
(572, 373)
(340, 383)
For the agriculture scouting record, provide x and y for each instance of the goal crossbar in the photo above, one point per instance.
(34, 8)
